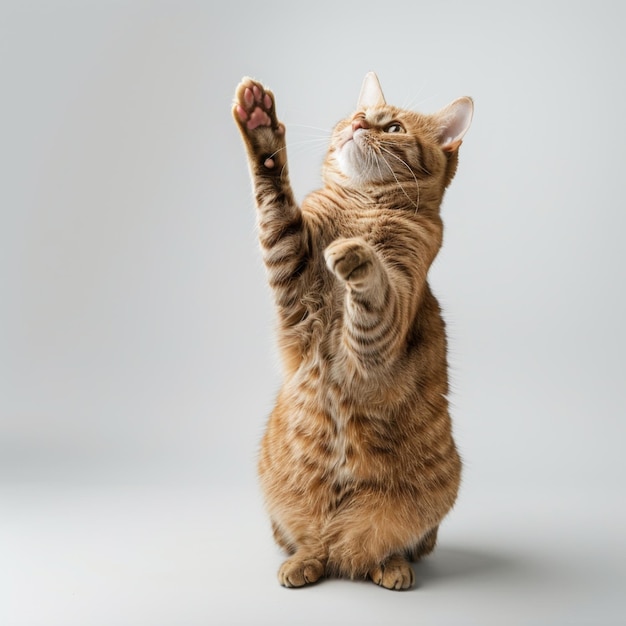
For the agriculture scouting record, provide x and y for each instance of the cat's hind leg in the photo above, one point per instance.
(396, 572)
(281, 539)
(303, 568)
(306, 565)
(307, 559)
(425, 546)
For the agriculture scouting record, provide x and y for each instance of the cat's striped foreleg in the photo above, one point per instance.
(375, 319)
(282, 232)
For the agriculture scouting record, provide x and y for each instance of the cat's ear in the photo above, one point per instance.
(371, 94)
(454, 120)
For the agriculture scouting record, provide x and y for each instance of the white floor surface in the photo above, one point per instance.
(91, 555)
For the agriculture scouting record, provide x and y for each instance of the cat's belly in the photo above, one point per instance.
(317, 439)
(317, 434)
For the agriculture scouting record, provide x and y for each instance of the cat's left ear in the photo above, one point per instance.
(371, 93)
(455, 120)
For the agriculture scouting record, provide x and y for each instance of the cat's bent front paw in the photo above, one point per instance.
(298, 571)
(350, 259)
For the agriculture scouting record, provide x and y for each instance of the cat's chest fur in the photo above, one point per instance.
(341, 418)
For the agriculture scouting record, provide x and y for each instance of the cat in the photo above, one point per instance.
(358, 464)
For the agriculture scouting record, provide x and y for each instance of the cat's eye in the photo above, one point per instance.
(394, 127)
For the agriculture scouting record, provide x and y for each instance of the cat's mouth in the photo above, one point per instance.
(352, 135)
(346, 139)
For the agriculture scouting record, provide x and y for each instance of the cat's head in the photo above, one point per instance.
(381, 146)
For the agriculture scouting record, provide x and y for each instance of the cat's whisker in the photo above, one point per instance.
(315, 140)
(411, 168)
(323, 131)
(314, 144)
(416, 103)
(380, 171)
(310, 143)
(311, 140)
(416, 202)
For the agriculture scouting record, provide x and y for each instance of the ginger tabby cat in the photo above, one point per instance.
(358, 464)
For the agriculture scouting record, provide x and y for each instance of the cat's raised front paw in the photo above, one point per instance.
(255, 113)
(255, 107)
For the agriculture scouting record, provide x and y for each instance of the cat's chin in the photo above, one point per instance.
(355, 168)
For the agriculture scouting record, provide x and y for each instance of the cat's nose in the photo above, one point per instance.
(359, 122)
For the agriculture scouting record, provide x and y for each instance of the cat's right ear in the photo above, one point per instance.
(455, 120)
(371, 93)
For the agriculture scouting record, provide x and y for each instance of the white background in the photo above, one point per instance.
(137, 358)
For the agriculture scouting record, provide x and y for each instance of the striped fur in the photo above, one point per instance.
(358, 464)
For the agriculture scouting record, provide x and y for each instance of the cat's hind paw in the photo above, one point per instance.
(395, 573)
(297, 571)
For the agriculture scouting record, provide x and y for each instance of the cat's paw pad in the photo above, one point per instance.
(254, 111)
(395, 573)
(349, 259)
(255, 108)
(297, 572)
